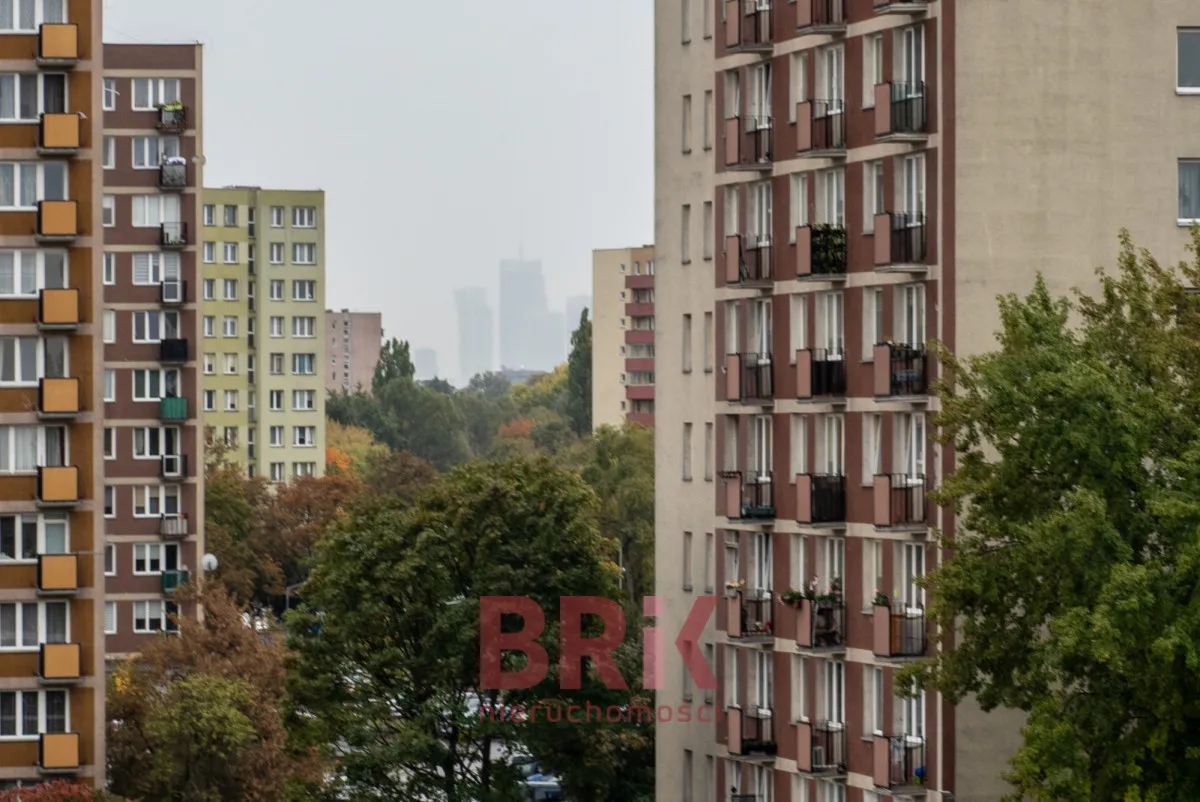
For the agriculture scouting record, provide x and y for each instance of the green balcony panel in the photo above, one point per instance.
(173, 409)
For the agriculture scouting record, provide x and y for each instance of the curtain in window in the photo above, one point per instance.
(26, 21)
(1189, 190)
(54, 94)
(141, 268)
(8, 703)
(24, 448)
(55, 180)
(56, 711)
(55, 446)
(170, 265)
(56, 358)
(55, 269)
(28, 184)
(56, 622)
(54, 11)
(8, 359)
(29, 624)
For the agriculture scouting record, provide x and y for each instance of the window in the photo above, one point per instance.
(731, 327)
(797, 203)
(210, 214)
(686, 133)
(303, 364)
(276, 254)
(304, 290)
(210, 253)
(210, 400)
(151, 211)
(872, 447)
(110, 385)
(108, 209)
(154, 616)
(304, 468)
(760, 97)
(687, 343)
(685, 247)
(831, 445)
(733, 220)
(110, 443)
(24, 360)
(1189, 190)
(276, 364)
(910, 61)
(24, 96)
(1188, 81)
(229, 326)
(277, 474)
(231, 364)
(831, 561)
(154, 558)
(304, 253)
(276, 217)
(910, 188)
(276, 324)
(872, 321)
(799, 83)
(304, 217)
(707, 123)
(153, 385)
(231, 400)
(149, 152)
(110, 618)
(912, 570)
(687, 452)
(831, 197)
(276, 290)
(276, 436)
(304, 400)
(231, 253)
(833, 697)
(149, 92)
(872, 67)
(210, 364)
(230, 436)
(23, 184)
(28, 714)
(155, 268)
(911, 447)
(831, 76)
(154, 326)
(911, 314)
(304, 436)
(110, 501)
(210, 326)
(110, 269)
(109, 156)
(912, 716)
(831, 329)
(708, 452)
(276, 400)
(230, 213)
(304, 326)
(230, 289)
(872, 568)
(110, 326)
(24, 537)
(873, 202)
(760, 215)
(110, 94)
(799, 446)
(209, 289)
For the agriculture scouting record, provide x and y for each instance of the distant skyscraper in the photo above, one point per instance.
(525, 324)
(425, 362)
(476, 332)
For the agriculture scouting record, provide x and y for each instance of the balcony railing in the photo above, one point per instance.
(821, 622)
(820, 498)
(748, 142)
(173, 235)
(750, 615)
(57, 485)
(171, 580)
(173, 408)
(901, 243)
(900, 501)
(173, 351)
(899, 630)
(58, 309)
(59, 134)
(900, 110)
(174, 526)
(821, 16)
(172, 117)
(748, 25)
(747, 260)
(900, 370)
(58, 397)
(821, 748)
(173, 176)
(749, 378)
(820, 373)
(58, 752)
(57, 221)
(750, 733)
(748, 496)
(821, 251)
(58, 44)
(172, 292)
(899, 762)
(59, 662)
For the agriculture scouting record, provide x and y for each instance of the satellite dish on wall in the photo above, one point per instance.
(209, 562)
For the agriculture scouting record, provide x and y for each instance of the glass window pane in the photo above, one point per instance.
(28, 358)
(28, 96)
(29, 713)
(29, 539)
(56, 622)
(29, 624)
(8, 714)
(56, 711)
(8, 625)
(55, 180)
(1189, 59)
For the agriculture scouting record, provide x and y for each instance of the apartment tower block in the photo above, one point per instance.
(839, 183)
(355, 339)
(623, 336)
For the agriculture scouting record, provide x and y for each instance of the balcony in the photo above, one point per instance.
(57, 221)
(173, 235)
(747, 261)
(900, 502)
(898, 631)
(908, 7)
(900, 371)
(172, 117)
(174, 467)
(58, 135)
(748, 143)
(748, 497)
(60, 663)
(750, 736)
(900, 243)
(900, 112)
(821, 129)
(748, 26)
(172, 292)
(821, 16)
(899, 764)
(173, 408)
(58, 398)
(172, 580)
(173, 351)
(821, 748)
(58, 309)
(173, 175)
(821, 623)
(820, 373)
(58, 45)
(749, 379)
(749, 616)
(58, 752)
(58, 486)
(820, 499)
(57, 574)
(173, 526)
(821, 252)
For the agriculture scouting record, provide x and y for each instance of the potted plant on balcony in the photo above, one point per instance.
(174, 105)
(828, 248)
(793, 597)
(734, 586)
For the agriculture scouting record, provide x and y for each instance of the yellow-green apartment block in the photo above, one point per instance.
(263, 332)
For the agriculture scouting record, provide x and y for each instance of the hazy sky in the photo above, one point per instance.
(445, 134)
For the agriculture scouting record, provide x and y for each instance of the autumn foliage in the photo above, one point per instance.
(57, 791)
(521, 427)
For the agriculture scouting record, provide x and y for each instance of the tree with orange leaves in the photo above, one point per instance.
(57, 791)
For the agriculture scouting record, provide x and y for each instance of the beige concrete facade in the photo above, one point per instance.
(1041, 131)
(355, 339)
(623, 319)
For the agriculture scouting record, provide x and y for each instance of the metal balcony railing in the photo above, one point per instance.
(828, 373)
(827, 250)
(828, 498)
(900, 500)
(755, 376)
(908, 107)
(908, 240)
(899, 630)
(829, 748)
(753, 494)
(828, 125)
(906, 367)
(899, 761)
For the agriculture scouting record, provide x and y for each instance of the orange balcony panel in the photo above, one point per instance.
(61, 662)
(58, 42)
(58, 219)
(58, 485)
(60, 132)
(59, 308)
(59, 751)
(59, 396)
(58, 573)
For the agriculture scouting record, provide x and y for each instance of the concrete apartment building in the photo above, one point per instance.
(262, 346)
(355, 339)
(51, 394)
(839, 182)
(623, 336)
(153, 448)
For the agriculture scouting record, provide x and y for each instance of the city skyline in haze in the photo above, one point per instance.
(483, 143)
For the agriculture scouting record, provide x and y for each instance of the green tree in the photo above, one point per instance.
(406, 417)
(493, 385)
(547, 391)
(393, 697)
(484, 415)
(395, 362)
(578, 401)
(439, 385)
(1077, 550)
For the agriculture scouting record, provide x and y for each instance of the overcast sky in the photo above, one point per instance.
(445, 134)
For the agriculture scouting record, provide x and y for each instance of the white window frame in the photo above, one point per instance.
(831, 457)
(108, 156)
(911, 314)
(760, 96)
(912, 717)
(872, 568)
(303, 290)
(229, 326)
(833, 693)
(304, 253)
(798, 451)
(760, 579)
(164, 379)
(110, 616)
(20, 200)
(761, 444)
(798, 204)
(761, 214)
(156, 552)
(872, 446)
(912, 444)
(210, 214)
(230, 253)
(909, 59)
(873, 701)
(1185, 166)
(304, 400)
(155, 268)
(304, 217)
(304, 327)
(157, 90)
(162, 323)
(832, 562)
(912, 566)
(831, 324)
(156, 612)
(109, 102)
(152, 211)
(910, 186)
(276, 217)
(144, 497)
(798, 85)
(149, 152)
(831, 76)
(872, 67)
(831, 197)
(39, 521)
(873, 308)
